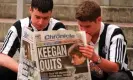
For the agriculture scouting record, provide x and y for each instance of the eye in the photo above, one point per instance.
(38, 17)
(87, 26)
(45, 18)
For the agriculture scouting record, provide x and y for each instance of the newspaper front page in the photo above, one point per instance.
(53, 55)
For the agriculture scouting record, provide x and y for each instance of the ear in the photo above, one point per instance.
(79, 28)
(99, 19)
(30, 10)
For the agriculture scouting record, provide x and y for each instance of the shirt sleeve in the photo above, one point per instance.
(59, 26)
(117, 51)
(10, 43)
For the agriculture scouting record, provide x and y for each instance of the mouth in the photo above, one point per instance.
(40, 27)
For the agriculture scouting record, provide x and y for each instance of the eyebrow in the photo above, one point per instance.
(85, 26)
(39, 16)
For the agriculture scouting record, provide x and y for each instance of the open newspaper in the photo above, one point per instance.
(53, 55)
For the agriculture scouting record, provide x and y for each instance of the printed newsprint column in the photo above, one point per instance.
(27, 69)
(54, 55)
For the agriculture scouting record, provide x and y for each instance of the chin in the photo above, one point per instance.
(39, 29)
(80, 62)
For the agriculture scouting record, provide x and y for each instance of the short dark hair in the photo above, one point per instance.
(88, 11)
(42, 5)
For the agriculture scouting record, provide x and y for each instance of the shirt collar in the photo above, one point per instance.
(33, 28)
(101, 30)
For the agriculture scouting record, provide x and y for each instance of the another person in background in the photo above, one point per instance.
(76, 57)
(39, 20)
(107, 49)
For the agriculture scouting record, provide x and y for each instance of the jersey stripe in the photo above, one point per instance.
(6, 40)
(119, 51)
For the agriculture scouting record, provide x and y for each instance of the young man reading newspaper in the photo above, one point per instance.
(107, 49)
(39, 20)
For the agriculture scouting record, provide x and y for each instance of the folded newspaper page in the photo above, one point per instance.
(53, 55)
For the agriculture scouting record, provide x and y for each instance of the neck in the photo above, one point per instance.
(95, 37)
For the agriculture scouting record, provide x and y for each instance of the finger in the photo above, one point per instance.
(89, 47)
(85, 50)
(87, 55)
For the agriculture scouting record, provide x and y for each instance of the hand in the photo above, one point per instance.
(87, 51)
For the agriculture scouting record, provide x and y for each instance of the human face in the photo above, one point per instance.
(39, 20)
(92, 28)
(76, 60)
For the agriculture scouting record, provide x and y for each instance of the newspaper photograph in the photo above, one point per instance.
(53, 55)
(27, 68)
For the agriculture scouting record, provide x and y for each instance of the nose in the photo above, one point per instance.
(41, 21)
(72, 61)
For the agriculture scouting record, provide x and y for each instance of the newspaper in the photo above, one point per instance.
(53, 55)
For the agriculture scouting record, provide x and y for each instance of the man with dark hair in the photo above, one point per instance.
(107, 49)
(39, 20)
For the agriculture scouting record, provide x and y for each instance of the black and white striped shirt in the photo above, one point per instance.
(111, 45)
(13, 37)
